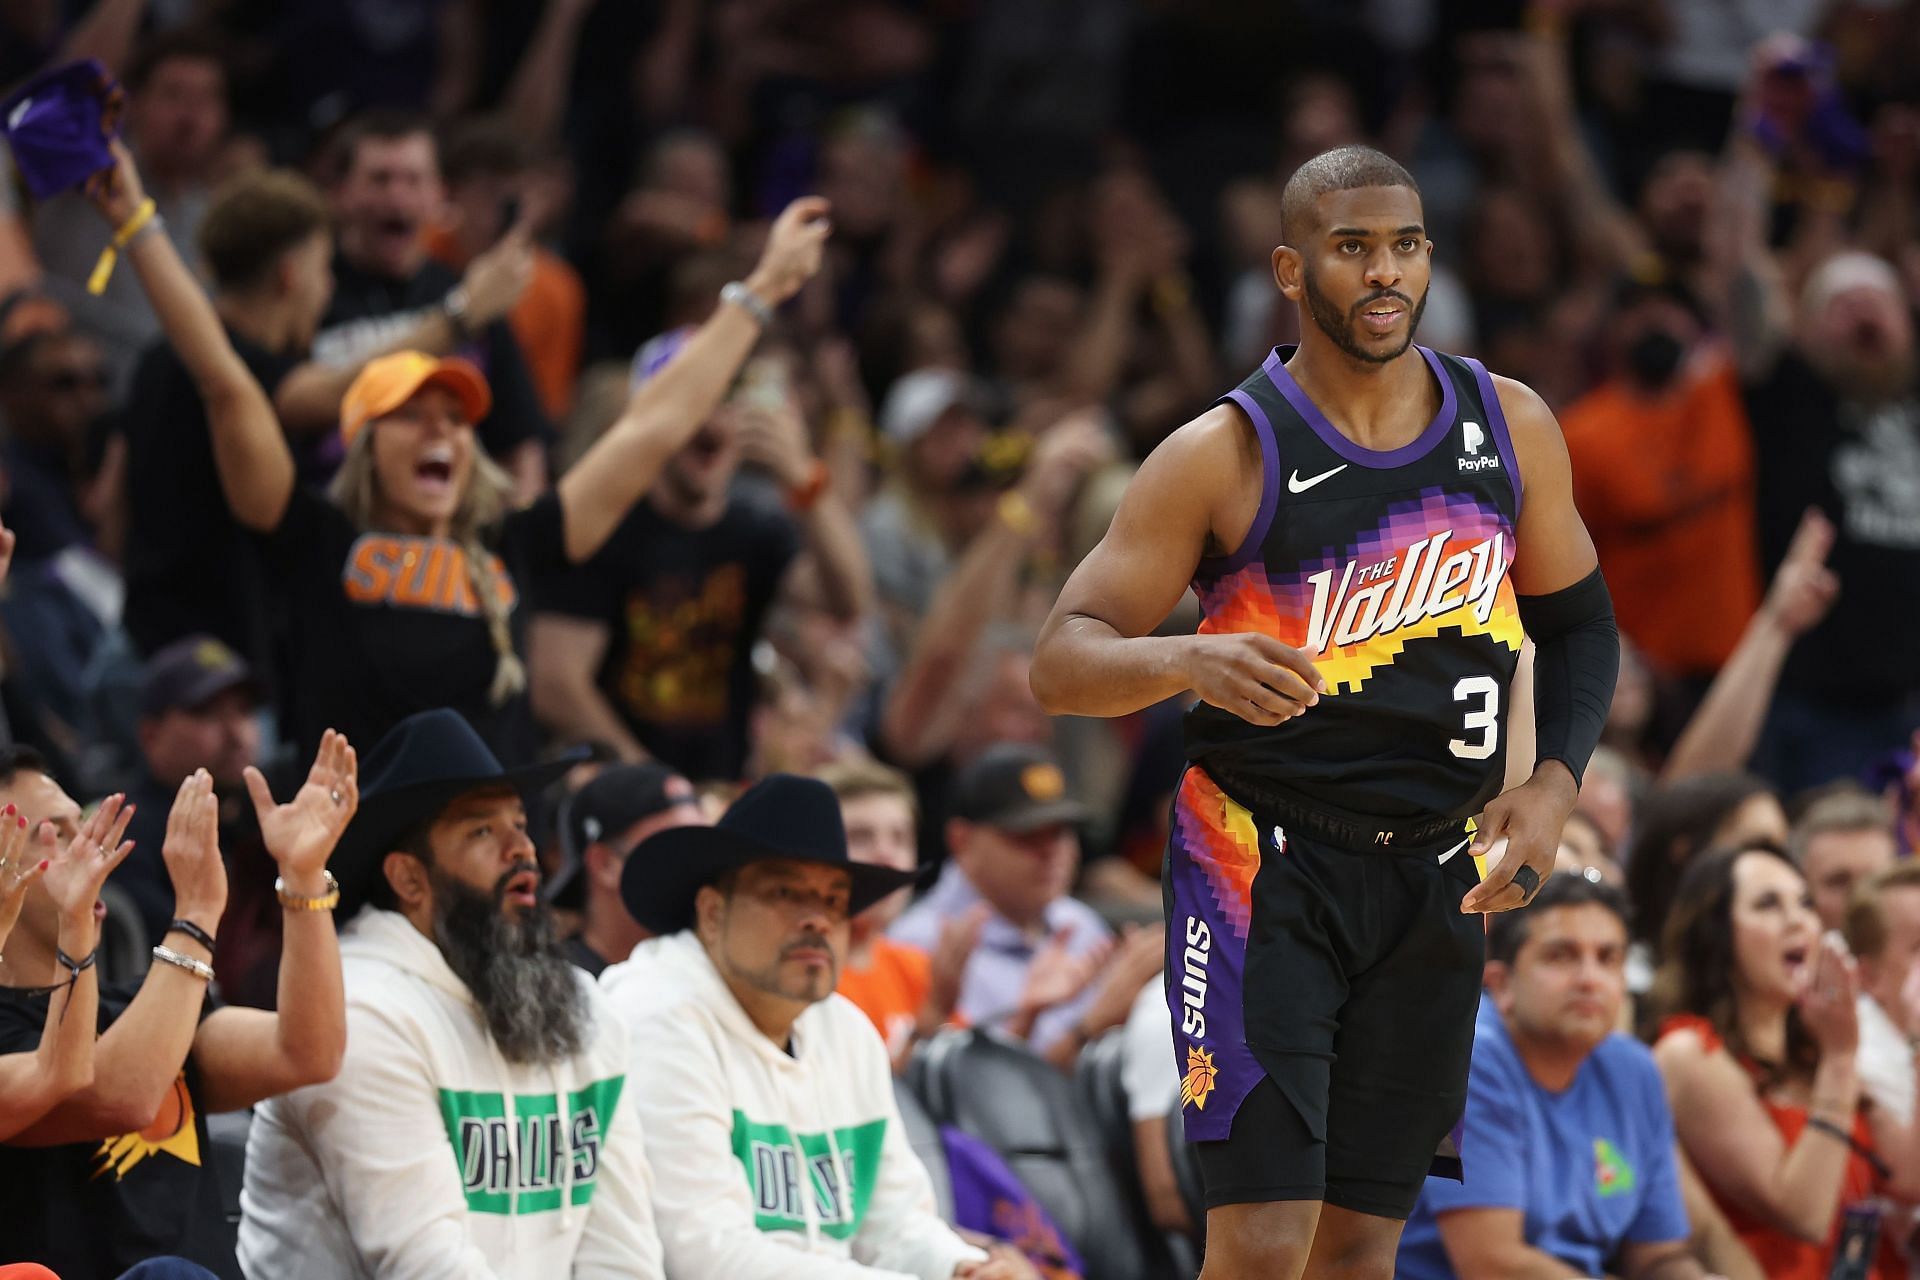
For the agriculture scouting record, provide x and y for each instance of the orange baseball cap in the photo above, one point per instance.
(390, 381)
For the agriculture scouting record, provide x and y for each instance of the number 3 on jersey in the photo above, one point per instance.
(1486, 718)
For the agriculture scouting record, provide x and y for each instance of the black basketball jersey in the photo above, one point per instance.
(1389, 570)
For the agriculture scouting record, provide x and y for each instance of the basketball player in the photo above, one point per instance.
(1371, 527)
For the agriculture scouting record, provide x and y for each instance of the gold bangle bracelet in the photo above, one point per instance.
(293, 902)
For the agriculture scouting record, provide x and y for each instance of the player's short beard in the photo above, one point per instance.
(524, 984)
(1338, 326)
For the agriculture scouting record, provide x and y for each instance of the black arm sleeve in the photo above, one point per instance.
(1575, 662)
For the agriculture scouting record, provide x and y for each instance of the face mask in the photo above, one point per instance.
(1654, 357)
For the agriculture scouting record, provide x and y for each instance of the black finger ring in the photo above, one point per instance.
(1529, 881)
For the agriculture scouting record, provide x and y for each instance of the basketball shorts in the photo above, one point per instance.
(1323, 1001)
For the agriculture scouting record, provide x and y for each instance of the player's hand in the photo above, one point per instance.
(1253, 676)
(1530, 817)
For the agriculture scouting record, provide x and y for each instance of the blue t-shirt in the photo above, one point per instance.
(1592, 1167)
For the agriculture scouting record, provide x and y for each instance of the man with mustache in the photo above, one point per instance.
(768, 1107)
(1373, 529)
(482, 1123)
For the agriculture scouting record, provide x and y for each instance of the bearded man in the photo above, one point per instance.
(470, 1036)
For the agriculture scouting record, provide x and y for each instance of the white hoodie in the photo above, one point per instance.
(430, 1156)
(731, 1120)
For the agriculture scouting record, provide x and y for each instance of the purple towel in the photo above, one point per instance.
(59, 124)
(988, 1198)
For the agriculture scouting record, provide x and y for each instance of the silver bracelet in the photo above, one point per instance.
(746, 299)
(198, 968)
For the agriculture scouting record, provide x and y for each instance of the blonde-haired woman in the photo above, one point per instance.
(403, 592)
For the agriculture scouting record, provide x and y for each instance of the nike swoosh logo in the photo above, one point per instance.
(1457, 848)
(1296, 485)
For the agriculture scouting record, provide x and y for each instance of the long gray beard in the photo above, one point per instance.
(516, 971)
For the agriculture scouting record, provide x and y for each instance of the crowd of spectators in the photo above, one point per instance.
(414, 393)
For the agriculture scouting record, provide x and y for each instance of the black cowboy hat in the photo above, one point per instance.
(780, 817)
(422, 764)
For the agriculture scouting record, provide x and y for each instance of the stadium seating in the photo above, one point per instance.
(1035, 1118)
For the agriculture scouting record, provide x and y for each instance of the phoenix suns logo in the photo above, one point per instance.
(1198, 1082)
(170, 1132)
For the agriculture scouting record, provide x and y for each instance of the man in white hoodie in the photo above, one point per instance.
(768, 1105)
(483, 1123)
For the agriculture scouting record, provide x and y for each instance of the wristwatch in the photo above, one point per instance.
(455, 307)
(753, 304)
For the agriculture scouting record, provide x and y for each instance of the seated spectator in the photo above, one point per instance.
(1572, 1148)
(402, 590)
(906, 992)
(32, 1081)
(601, 825)
(483, 1122)
(198, 705)
(768, 1107)
(649, 644)
(120, 1172)
(1758, 1052)
(52, 388)
(1015, 848)
(1841, 841)
(1883, 932)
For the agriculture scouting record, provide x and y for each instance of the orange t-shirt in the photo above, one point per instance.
(891, 989)
(1782, 1256)
(1666, 487)
(549, 322)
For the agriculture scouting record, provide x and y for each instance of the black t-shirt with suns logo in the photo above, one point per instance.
(383, 625)
(90, 1210)
(684, 607)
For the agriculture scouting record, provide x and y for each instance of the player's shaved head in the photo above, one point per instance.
(1341, 169)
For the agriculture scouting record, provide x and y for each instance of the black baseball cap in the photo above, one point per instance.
(1015, 787)
(191, 672)
(619, 797)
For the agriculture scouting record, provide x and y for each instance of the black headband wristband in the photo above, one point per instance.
(193, 931)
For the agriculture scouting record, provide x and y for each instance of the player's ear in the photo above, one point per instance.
(1287, 271)
(1495, 977)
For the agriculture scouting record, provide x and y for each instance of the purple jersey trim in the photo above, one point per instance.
(1502, 438)
(1359, 455)
(1250, 545)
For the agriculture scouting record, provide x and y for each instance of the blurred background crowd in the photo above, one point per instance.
(1692, 225)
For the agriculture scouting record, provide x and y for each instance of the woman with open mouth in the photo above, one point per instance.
(1757, 1049)
(399, 591)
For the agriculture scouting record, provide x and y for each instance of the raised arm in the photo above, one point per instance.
(246, 1055)
(249, 450)
(1722, 734)
(1195, 495)
(62, 1064)
(925, 707)
(664, 413)
(138, 1059)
